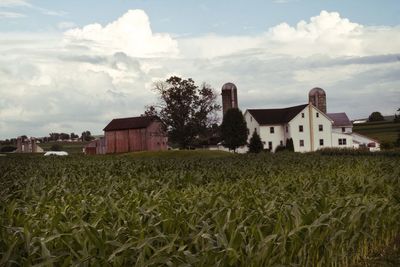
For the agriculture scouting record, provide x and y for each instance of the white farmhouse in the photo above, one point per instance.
(309, 126)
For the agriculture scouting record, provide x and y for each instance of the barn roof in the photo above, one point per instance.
(130, 123)
(277, 115)
(340, 119)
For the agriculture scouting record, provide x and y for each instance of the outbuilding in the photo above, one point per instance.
(144, 133)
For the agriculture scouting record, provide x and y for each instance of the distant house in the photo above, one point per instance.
(135, 134)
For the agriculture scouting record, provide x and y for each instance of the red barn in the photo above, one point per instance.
(135, 134)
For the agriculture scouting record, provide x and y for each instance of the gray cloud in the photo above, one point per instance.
(50, 84)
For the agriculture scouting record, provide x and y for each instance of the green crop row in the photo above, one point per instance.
(247, 210)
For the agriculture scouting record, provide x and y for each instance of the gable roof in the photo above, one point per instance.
(130, 123)
(339, 119)
(276, 115)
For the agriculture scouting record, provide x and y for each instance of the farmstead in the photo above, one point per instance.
(309, 126)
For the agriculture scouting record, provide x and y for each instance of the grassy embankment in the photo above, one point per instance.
(382, 131)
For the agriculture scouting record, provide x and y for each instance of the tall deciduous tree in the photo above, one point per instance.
(255, 144)
(186, 110)
(233, 129)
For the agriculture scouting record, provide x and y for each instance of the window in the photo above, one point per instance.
(255, 129)
(301, 142)
(321, 142)
(270, 146)
(342, 141)
(302, 115)
(317, 115)
(251, 118)
(320, 127)
(287, 128)
(301, 128)
(281, 143)
(271, 129)
(343, 129)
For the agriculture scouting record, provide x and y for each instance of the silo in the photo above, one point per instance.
(229, 97)
(317, 97)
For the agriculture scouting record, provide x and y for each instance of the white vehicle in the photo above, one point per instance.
(56, 153)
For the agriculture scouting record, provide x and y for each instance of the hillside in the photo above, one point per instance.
(383, 131)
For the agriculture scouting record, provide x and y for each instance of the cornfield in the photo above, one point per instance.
(246, 210)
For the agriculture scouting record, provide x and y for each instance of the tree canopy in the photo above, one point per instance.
(186, 109)
(376, 116)
(233, 129)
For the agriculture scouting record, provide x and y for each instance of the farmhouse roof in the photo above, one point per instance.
(277, 115)
(130, 123)
(340, 119)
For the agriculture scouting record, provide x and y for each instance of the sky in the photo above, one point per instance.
(70, 66)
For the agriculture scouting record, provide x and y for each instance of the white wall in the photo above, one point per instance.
(251, 124)
(276, 137)
(296, 135)
(310, 124)
(326, 133)
(337, 136)
(339, 129)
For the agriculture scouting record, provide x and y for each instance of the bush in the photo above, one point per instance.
(280, 149)
(387, 145)
(8, 149)
(56, 147)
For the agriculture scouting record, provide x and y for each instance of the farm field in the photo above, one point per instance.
(382, 131)
(201, 209)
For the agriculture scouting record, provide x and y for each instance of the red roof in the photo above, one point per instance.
(277, 115)
(130, 123)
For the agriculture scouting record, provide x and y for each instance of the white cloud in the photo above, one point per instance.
(64, 25)
(130, 34)
(11, 15)
(13, 3)
(82, 79)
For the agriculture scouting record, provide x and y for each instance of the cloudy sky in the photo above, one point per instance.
(69, 66)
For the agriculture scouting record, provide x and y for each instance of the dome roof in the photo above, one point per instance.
(229, 86)
(316, 91)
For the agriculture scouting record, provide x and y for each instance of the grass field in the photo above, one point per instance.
(382, 131)
(190, 208)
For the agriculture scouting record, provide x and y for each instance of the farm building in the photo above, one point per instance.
(96, 147)
(308, 125)
(28, 145)
(135, 134)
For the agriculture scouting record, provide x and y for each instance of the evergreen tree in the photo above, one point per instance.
(255, 145)
(289, 144)
(233, 129)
